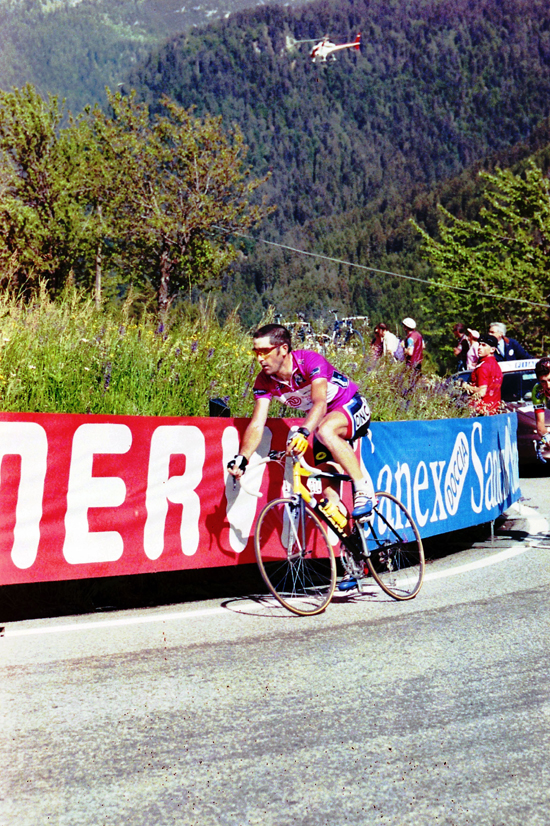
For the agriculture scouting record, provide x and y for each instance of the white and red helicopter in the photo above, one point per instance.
(325, 48)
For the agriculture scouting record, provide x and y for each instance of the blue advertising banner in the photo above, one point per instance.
(449, 474)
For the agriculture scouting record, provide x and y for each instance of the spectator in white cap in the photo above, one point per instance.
(413, 344)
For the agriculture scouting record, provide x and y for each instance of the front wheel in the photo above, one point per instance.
(294, 556)
(393, 547)
(355, 342)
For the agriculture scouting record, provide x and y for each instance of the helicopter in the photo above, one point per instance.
(325, 48)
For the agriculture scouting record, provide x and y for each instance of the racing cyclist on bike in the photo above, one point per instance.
(337, 414)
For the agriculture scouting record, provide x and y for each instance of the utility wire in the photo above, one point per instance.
(440, 284)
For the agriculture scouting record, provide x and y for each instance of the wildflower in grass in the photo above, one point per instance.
(107, 376)
(210, 353)
(194, 346)
(245, 389)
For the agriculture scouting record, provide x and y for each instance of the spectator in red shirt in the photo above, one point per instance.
(486, 379)
(413, 344)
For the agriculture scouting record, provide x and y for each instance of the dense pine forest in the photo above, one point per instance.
(75, 49)
(356, 146)
(353, 149)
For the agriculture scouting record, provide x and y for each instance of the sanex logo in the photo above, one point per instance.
(456, 473)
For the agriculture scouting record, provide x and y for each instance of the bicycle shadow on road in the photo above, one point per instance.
(265, 605)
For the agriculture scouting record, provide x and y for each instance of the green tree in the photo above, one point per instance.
(178, 188)
(156, 197)
(40, 218)
(498, 266)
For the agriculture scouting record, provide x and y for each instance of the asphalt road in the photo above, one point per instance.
(234, 712)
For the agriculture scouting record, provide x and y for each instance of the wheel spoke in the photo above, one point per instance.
(295, 557)
(393, 546)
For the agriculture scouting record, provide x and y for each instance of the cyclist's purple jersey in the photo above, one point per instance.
(307, 366)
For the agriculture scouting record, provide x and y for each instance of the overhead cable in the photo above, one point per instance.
(438, 284)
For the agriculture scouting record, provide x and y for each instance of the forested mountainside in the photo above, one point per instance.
(437, 87)
(75, 49)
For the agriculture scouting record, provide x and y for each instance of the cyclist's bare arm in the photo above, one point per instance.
(298, 443)
(319, 389)
(252, 435)
(540, 422)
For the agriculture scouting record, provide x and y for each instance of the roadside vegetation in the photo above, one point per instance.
(65, 356)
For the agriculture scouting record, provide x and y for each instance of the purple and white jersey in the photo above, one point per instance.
(306, 367)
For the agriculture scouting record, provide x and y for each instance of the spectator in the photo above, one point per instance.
(508, 349)
(385, 341)
(486, 379)
(413, 344)
(460, 332)
(376, 346)
(472, 356)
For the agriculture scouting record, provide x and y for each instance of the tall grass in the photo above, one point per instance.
(65, 356)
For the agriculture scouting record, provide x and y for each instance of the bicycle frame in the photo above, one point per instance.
(303, 496)
(300, 471)
(388, 545)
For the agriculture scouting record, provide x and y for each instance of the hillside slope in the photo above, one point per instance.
(75, 49)
(438, 87)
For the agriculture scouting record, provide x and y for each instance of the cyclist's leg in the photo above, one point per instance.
(325, 461)
(335, 432)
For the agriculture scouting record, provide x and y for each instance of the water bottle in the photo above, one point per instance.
(333, 512)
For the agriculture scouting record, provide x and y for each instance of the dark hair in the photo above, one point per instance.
(487, 338)
(542, 367)
(278, 334)
(460, 328)
(380, 326)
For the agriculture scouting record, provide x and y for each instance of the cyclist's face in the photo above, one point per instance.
(544, 382)
(270, 356)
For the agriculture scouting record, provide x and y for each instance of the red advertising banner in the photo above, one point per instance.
(92, 496)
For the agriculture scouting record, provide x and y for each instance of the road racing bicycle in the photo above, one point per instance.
(344, 334)
(295, 555)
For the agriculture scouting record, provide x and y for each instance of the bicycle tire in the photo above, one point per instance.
(295, 557)
(355, 341)
(393, 548)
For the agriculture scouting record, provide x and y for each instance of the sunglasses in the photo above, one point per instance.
(262, 352)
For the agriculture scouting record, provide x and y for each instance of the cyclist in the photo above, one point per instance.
(541, 399)
(337, 414)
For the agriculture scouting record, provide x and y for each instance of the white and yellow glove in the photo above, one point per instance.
(297, 443)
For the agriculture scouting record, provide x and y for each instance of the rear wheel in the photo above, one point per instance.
(355, 343)
(294, 556)
(393, 547)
